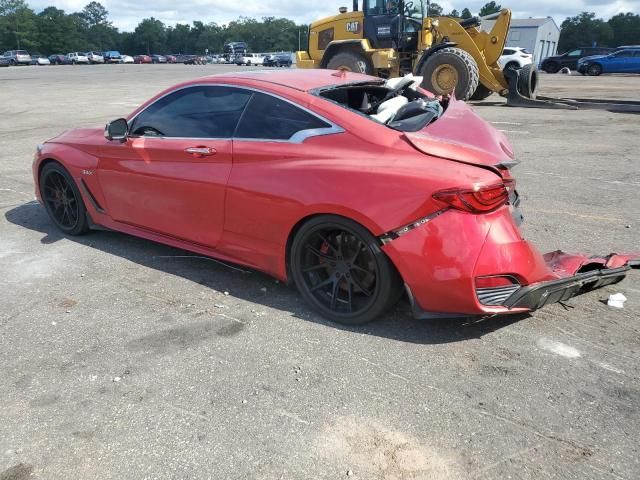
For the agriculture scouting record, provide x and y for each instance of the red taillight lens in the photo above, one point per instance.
(480, 200)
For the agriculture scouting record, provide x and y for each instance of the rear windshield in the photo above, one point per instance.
(397, 103)
(22, 52)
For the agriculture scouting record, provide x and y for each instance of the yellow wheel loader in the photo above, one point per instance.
(391, 38)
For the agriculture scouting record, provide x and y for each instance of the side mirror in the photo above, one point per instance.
(117, 130)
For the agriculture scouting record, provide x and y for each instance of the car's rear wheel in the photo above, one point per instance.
(551, 67)
(62, 200)
(594, 70)
(340, 270)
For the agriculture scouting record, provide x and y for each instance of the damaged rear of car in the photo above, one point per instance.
(467, 255)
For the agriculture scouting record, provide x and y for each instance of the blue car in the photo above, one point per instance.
(626, 60)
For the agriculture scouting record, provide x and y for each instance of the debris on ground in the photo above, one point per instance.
(616, 300)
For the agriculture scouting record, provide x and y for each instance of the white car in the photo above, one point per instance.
(515, 57)
(40, 60)
(77, 57)
(126, 59)
(250, 59)
(95, 57)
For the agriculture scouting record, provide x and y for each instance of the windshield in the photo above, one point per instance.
(414, 9)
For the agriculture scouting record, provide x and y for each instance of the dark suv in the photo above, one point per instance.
(570, 59)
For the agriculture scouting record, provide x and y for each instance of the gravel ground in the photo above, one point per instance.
(122, 360)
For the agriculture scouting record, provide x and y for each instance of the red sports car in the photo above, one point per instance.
(353, 188)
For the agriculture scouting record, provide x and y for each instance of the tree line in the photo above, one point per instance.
(54, 31)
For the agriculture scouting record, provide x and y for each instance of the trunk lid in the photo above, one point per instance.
(461, 135)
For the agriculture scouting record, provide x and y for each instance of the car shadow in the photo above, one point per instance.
(253, 286)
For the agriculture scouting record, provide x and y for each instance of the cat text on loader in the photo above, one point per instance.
(390, 38)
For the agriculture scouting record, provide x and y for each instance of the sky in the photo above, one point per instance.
(126, 14)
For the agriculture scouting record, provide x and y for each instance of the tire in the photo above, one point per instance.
(72, 220)
(552, 67)
(481, 93)
(594, 70)
(351, 62)
(451, 70)
(512, 66)
(528, 81)
(339, 269)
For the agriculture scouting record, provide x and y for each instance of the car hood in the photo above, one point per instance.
(79, 136)
(460, 134)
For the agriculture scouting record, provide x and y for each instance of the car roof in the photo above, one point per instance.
(299, 79)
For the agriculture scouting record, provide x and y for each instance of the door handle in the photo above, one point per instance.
(201, 151)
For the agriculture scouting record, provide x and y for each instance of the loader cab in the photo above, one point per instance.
(393, 23)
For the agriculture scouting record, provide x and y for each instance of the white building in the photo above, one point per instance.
(538, 35)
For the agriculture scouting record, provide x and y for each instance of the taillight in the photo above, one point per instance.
(478, 200)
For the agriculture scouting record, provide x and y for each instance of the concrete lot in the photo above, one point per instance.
(121, 360)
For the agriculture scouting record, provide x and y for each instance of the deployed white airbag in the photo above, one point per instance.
(387, 110)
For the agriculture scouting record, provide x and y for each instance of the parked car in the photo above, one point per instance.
(4, 61)
(570, 59)
(75, 58)
(171, 59)
(37, 59)
(126, 59)
(17, 57)
(277, 60)
(195, 60)
(158, 59)
(515, 57)
(277, 183)
(58, 59)
(250, 59)
(112, 56)
(95, 57)
(142, 59)
(620, 61)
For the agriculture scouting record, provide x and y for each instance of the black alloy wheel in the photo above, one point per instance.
(340, 270)
(62, 200)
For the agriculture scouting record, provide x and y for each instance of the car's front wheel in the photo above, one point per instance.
(594, 70)
(62, 200)
(341, 271)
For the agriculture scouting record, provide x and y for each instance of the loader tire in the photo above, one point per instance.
(451, 70)
(481, 93)
(350, 62)
(528, 81)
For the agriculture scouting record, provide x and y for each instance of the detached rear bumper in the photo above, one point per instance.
(537, 296)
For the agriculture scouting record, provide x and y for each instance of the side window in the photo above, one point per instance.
(271, 118)
(574, 53)
(194, 112)
(508, 51)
